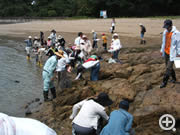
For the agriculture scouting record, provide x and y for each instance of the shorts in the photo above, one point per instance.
(28, 50)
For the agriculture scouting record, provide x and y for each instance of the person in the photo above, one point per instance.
(49, 42)
(61, 69)
(93, 63)
(86, 122)
(86, 46)
(51, 50)
(41, 51)
(94, 39)
(104, 38)
(28, 48)
(113, 25)
(115, 47)
(42, 38)
(53, 36)
(169, 50)
(120, 121)
(48, 75)
(61, 42)
(143, 30)
(23, 126)
(78, 39)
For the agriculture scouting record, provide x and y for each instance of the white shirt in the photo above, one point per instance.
(116, 45)
(77, 41)
(61, 65)
(89, 114)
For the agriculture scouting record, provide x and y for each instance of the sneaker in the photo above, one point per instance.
(163, 85)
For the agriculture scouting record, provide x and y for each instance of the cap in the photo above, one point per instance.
(167, 23)
(29, 37)
(104, 99)
(92, 31)
(115, 35)
(140, 24)
(124, 104)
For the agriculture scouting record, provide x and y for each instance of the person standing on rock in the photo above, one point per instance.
(143, 30)
(53, 36)
(91, 111)
(48, 75)
(120, 121)
(169, 50)
(78, 39)
(28, 48)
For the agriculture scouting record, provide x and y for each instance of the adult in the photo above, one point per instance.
(92, 63)
(48, 75)
(53, 36)
(51, 51)
(23, 126)
(86, 45)
(113, 25)
(143, 30)
(120, 121)
(91, 110)
(115, 47)
(49, 42)
(169, 50)
(61, 42)
(61, 69)
(78, 39)
(42, 38)
(28, 48)
(94, 39)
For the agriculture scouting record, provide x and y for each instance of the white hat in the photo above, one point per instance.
(29, 37)
(84, 36)
(115, 35)
(35, 37)
(92, 31)
(59, 37)
(49, 37)
(140, 24)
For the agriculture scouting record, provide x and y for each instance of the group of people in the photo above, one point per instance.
(88, 121)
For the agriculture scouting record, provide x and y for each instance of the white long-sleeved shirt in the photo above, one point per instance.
(89, 113)
(77, 41)
(116, 45)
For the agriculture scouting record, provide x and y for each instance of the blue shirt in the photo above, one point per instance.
(28, 43)
(120, 123)
(50, 65)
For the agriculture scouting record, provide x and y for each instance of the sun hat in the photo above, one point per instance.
(104, 99)
(167, 23)
(29, 37)
(59, 37)
(60, 53)
(35, 37)
(53, 30)
(84, 36)
(49, 37)
(124, 104)
(140, 24)
(115, 35)
(92, 31)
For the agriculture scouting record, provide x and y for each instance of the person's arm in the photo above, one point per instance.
(76, 108)
(163, 42)
(52, 66)
(129, 124)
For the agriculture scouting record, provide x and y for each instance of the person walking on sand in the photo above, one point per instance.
(42, 38)
(143, 30)
(92, 110)
(113, 25)
(49, 76)
(53, 36)
(28, 48)
(94, 39)
(120, 121)
(170, 49)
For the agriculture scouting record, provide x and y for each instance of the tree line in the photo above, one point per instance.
(89, 8)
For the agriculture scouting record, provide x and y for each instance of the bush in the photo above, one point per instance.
(43, 12)
(52, 13)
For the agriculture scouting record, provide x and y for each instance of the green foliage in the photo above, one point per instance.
(90, 8)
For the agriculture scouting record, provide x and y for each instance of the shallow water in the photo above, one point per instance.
(20, 81)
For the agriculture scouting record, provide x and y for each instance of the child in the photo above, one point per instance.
(104, 38)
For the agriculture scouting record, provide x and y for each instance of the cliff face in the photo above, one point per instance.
(137, 80)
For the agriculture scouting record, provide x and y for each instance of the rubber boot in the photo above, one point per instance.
(173, 74)
(141, 42)
(165, 80)
(53, 92)
(144, 41)
(46, 99)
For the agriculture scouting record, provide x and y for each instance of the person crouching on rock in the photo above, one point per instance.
(120, 121)
(93, 63)
(48, 75)
(91, 110)
(23, 126)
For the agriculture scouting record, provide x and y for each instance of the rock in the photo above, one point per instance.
(37, 99)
